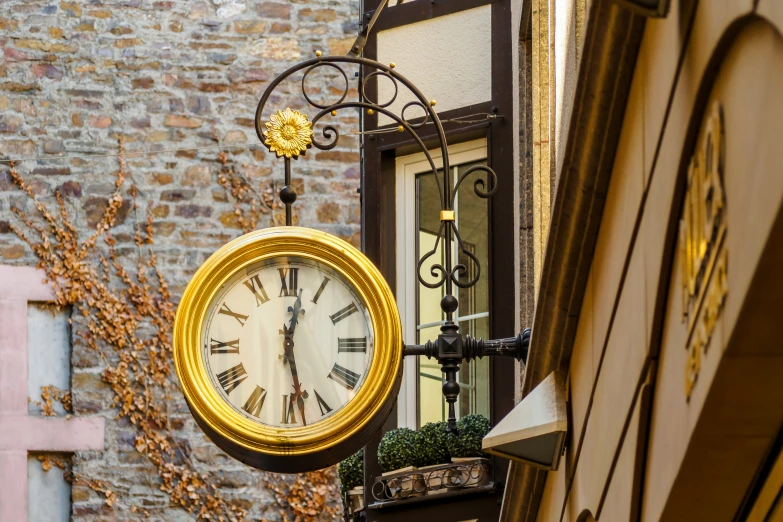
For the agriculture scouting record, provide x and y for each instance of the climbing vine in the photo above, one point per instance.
(125, 312)
(250, 204)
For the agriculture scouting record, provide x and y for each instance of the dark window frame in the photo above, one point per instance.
(378, 230)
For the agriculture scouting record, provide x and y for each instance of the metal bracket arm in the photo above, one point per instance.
(516, 347)
(361, 40)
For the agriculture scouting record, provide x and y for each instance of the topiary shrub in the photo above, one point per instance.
(351, 471)
(467, 443)
(398, 449)
(433, 444)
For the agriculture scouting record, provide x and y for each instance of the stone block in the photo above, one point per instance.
(48, 71)
(317, 15)
(99, 122)
(328, 212)
(212, 87)
(19, 87)
(338, 155)
(10, 123)
(12, 252)
(53, 146)
(95, 207)
(235, 136)
(249, 27)
(193, 211)
(197, 176)
(72, 189)
(140, 123)
(123, 43)
(177, 195)
(199, 104)
(52, 171)
(142, 83)
(274, 10)
(171, 120)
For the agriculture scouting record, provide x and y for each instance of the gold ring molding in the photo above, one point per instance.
(307, 447)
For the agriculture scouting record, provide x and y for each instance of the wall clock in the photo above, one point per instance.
(288, 348)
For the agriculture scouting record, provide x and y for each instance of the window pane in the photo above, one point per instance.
(473, 226)
(472, 222)
(431, 403)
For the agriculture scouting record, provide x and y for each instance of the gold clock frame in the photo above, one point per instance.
(302, 448)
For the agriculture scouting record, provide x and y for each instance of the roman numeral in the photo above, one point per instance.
(232, 377)
(352, 344)
(255, 402)
(227, 311)
(321, 289)
(322, 404)
(290, 288)
(342, 314)
(344, 377)
(289, 415)
(224, 347)
(254, 285)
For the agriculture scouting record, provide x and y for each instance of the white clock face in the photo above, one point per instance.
(287, 342)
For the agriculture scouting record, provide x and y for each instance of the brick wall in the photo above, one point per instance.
(77, 76)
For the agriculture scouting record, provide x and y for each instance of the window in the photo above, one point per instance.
(418, 220)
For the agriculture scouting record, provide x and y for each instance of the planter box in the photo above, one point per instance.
(433, 477)
(409, 482)
(404, 483)
(467, 473)
(356, 499)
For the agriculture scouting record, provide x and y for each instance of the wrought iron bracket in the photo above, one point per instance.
(446, 345)
(361, 40)
(450, 349)
(290, 133)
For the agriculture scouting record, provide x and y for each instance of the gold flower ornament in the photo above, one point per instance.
(289, 133)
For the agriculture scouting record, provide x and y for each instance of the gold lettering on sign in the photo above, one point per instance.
(702, 252)
(693, 365)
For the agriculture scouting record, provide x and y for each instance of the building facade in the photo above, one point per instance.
(658, 297)
(75, 78)
(464, 56)
(636, 151)
(636, 227)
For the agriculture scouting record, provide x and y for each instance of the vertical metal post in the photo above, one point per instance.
(288, 194)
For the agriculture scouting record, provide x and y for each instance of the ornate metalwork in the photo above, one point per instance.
(289, 133)
(432, 480)
(450, 348)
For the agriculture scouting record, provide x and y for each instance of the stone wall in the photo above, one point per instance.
(76, 77)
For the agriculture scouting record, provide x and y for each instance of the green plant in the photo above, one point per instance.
(433, 444)
(467, 442)
(351, 471)
(398, 449)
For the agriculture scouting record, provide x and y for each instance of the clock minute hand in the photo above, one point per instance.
(299, 395)
(295, 311)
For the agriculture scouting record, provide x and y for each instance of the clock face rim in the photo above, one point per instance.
(358, 418)
(255, 268)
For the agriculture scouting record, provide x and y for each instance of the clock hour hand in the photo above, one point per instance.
(288, 347)
(288, 332)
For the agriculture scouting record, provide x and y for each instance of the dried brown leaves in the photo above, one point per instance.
(250, 205)
(306, 497)
(127, 315)
(50, 395)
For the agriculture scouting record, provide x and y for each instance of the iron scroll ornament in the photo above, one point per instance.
(450, 349)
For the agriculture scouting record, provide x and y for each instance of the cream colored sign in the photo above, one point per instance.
(701, 244)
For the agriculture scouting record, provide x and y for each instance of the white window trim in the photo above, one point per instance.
(406, 169)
